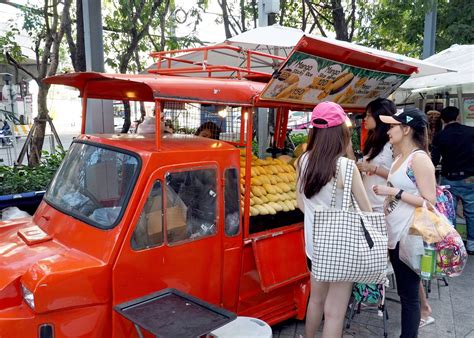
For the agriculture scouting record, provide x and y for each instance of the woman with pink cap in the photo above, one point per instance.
(327, 143)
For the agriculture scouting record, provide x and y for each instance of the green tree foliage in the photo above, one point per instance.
(8, 44)
(45, 24)
(137, 27)
(397, 25)
(15, 180)
(320, 17)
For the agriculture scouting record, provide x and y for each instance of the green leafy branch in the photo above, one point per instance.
(19, 179)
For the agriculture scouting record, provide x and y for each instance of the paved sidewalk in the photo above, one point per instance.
(453, 310)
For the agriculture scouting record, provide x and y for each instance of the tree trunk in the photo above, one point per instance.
(283, 11)
(126, 118)
(242, 15)
(80, 46)
(225, 17)
(40, 127)
(340, 24)
(254, 13)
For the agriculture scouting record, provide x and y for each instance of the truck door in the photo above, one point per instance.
(175, 240)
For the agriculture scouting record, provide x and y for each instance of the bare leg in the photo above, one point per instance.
(314, 313)
(335, 308)
(425, 307)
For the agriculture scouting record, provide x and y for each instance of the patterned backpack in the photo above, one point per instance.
(444, 199)
(445, 203)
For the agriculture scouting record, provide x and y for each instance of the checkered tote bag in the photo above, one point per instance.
(349, 245)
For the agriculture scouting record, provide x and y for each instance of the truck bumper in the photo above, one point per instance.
(21, 321)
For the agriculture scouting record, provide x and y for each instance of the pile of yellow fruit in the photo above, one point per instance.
(273, 185)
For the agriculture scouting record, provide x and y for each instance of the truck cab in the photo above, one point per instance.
(127, 215)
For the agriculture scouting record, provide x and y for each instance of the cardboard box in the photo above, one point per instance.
(175, 218)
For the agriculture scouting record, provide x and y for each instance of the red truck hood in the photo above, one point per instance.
(42, 261)
(17, 255)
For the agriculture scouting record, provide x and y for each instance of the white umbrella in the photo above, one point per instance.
(458, 57)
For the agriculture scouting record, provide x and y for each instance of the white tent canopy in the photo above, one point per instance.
(278, 40)
(457, 57)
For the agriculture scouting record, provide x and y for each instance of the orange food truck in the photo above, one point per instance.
(127, 215)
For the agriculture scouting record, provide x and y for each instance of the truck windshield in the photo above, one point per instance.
(93, 184)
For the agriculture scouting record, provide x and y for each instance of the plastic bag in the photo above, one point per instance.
(411, 249)
(105, 216)
(147, 126)
(430, 224)
(12, 213)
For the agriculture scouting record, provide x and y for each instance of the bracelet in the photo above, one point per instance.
(375, 170)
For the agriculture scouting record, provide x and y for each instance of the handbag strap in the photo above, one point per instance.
(334, 186)
(348, 200)
(347, 189)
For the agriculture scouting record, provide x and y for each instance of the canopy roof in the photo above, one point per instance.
(278, 40)
(147, 87)
(458, 57)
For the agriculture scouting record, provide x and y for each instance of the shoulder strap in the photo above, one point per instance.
(410, 157)
(409, 170)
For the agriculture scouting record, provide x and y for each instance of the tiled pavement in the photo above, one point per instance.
(453, 310)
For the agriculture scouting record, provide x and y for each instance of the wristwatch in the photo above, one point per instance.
(398, 196)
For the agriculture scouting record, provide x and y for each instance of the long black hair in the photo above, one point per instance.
(378, 137)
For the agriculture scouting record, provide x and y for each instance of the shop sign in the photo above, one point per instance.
(468, 112)
(309, 79)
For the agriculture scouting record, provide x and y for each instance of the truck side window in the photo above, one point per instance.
(149, 230)
(231, 202)
(191, 199)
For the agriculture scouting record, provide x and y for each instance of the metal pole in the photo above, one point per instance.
(101, 120)
(93, 41)
(460, 105)
(429, 35)
(267, 10)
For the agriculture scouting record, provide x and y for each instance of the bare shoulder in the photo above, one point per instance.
(422, 161)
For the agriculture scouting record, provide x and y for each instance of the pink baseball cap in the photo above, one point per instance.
(328, 114)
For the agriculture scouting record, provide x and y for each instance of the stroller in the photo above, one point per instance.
(370, 298)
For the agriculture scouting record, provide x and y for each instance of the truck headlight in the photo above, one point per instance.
(28, 296)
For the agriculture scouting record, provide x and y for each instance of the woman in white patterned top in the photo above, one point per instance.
(378, 155)
(328, 140)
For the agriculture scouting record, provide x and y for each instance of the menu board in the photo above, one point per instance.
(308, 79)
(468, 112)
